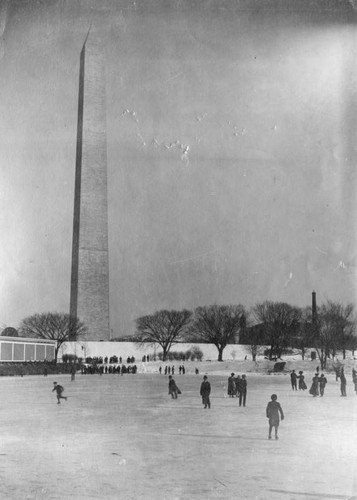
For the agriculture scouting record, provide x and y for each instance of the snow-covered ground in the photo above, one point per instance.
(123, 437)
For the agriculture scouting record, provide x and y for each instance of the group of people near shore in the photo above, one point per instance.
(171, 370)
(104, 369)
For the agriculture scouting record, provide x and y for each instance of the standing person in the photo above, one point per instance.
(272, 412)
(343, 382)
(238, 382)
(231, 386)
(160, 370)
(59, 389)
(173, 389)
(314, 389)
(302, 385)
(355, 382)
(73, 373)
(243, 391)
(293, 378)
(205, 392)
(322, 382)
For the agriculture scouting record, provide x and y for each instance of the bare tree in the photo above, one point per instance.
(217, 325)
(280, 321)
(344, 321)
(163, 327)
(335, 329)
(304, 336)
(60, 327)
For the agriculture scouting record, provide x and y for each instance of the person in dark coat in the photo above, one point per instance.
(205, 392)
(231, 386)
(272, 412)
(243, 391)
(314, 389)
(238, 382)
(355, 382)
(322, 382)
(73, 373)
(173, 389)
(293, 378)
(343, 382)
(302, 385)
(59, 390)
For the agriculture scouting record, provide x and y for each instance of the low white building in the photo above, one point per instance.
(25, 349)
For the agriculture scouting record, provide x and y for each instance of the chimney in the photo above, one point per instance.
(314, 310)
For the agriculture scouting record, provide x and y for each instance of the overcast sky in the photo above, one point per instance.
(231, 152)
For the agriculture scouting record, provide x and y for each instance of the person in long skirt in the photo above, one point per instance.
(314, 389)
(231, 390)
(302, 385)
(173, 389)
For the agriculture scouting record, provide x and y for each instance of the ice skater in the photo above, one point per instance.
(243, 391)
(302, 385)
(314, 389)
(231, 386)
(173, 389)
(272, 412)
(59, 389)
(343, 383)
(322, 382)
(293, 378)
(205, 391)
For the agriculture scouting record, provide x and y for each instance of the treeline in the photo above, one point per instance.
(275, 324)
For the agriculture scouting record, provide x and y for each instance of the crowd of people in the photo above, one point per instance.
(111, 369)
(319, 382)
(171, 370)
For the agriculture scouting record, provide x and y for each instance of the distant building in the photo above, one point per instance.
(26, 349)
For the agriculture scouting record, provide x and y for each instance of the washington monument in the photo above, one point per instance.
(89, 300)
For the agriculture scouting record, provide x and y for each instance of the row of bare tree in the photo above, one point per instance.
(276, 324)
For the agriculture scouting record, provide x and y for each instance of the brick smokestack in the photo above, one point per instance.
(314, 309)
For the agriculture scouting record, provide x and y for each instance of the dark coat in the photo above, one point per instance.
(272, 412)
(205, 389)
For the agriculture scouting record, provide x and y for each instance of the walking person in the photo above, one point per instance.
(243, 391)
(238, 381)
(322, 382)
(272, 412)
(73, 373)
(293, 379)
(343, 382)
(231, 386)
(205, 392)
(59, 390)
(314, 389)
(173, 389)
(355, 382)
(302, 385)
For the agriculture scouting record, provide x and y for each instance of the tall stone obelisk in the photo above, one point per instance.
(90, 264)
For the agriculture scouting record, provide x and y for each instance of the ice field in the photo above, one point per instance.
(123, 437)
